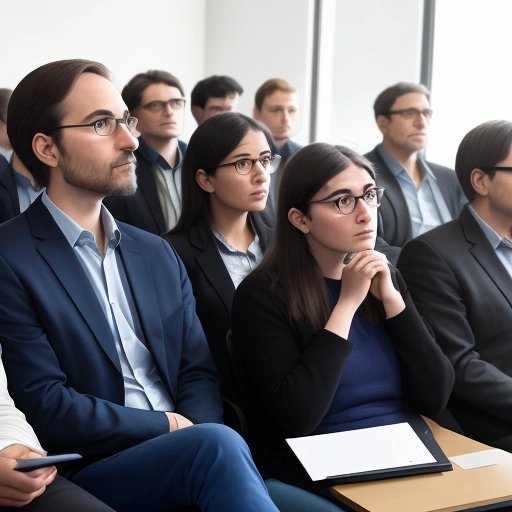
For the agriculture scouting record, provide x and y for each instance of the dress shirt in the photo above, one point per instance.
(143, 387)
(27, 194)
(168, 182)
(426, 204)
(502, 246)
(14, 428)
(238, 263)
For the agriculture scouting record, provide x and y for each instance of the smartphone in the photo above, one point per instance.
(43, 462)
(348, 257)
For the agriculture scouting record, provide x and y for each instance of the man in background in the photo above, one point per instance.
(460, 277)
(276, 105)
(419, 195)
(214, 95)
(157, 99)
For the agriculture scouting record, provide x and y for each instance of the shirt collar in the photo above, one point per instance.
(396, 167)
(157, 158)
(491, 235)
(22, 181)
(73, 231)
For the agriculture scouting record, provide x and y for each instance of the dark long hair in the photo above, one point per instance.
(210, 143)
(289, 261)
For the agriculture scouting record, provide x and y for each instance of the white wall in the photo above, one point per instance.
(376, 44)
(470, 86)
(128, 36)
(254, 40)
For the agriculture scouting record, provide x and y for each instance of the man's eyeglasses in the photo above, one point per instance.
(347, 203)
(159, 105)
(488, 168)
(106, 125)
(412, 113)
(245, 165)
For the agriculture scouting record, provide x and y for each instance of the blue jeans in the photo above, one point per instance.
(207, 466)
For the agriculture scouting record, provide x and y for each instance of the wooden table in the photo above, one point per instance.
(449, 491)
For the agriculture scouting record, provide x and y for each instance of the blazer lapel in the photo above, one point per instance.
(56, 251)
(138, 275)
(148, 190)
(210, 262)
(8, 182)
(485, 255)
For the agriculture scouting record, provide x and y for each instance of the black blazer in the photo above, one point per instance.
(396, 226)
(293, 372)
(9, 202)
(464, 292)
(213, 288)
(143, 208)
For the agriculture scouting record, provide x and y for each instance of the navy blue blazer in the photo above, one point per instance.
(143, 208)
(9, 202)
(58, 350)
(395, 220)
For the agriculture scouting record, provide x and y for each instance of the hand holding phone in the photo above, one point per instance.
(43, 462)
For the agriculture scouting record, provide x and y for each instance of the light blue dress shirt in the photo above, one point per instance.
(426, 203)
(501, 246)
(143, 387)
(27, 194)
(238, 263)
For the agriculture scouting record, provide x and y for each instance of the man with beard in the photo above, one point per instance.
(102, 347)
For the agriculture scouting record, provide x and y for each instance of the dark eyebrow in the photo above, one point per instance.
(247, 155)
(101, 112)
(341, 191)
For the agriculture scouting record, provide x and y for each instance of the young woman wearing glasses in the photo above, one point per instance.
(220, 235)
(329, 344)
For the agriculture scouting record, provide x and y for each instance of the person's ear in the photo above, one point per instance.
(480, 181)
(45, 149)
(382, 123)
(198, 113)
(256, 114)
(204, 181)
(299, 220)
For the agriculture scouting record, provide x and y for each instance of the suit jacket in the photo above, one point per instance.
(213, 288)
(143, 208)
(396, 226)
(293, 372)
(9, 202)
(59, 353)
(464, 292)
(285, 152)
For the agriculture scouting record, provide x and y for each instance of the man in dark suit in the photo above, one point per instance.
(157, 99)
(419, 194)
(18, 188)
(101, 343)
(460, 276)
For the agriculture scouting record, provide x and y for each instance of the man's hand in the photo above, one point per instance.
(177, 421)
(17, 488)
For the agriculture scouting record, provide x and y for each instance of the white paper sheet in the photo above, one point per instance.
(480, 459)
(358, 451)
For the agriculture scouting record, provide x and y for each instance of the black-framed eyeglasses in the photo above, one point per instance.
(159, 105)
(412, 113)
(246, 165)
(347, 203)
(488, 168)
(106, 125)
